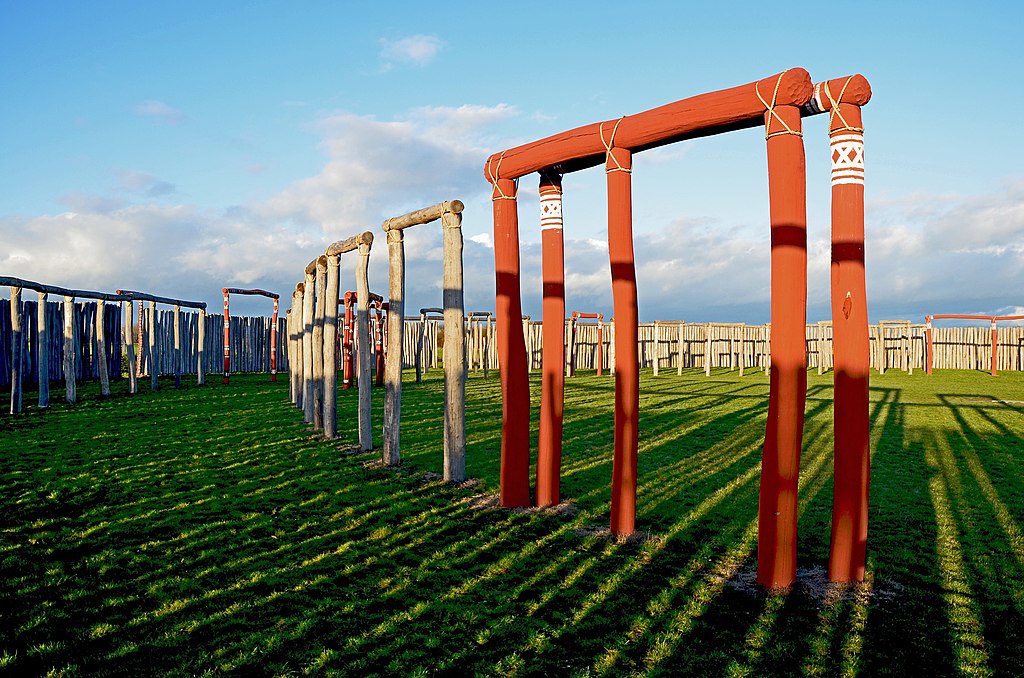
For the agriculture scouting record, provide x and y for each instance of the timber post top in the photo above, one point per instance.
(697, 116)
(142, 296)
(312, 266)
(8, 281)
(423, 216)
(237, 290)
(349, 244)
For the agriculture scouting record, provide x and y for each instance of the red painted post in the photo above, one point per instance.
(515, 386)
(780, 466)
(618, 166)
(227, 338)
(931, 343)
(552, 399)
(851, 341)
(273, 343)
(572, 345)
(346, 345)
(378, 344)
(600, 343)
(995, 346)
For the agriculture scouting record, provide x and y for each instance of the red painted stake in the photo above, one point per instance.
(552, 399)
(346, 346)
(627, 361)
(227, 338)
(378, 345)
(931, 344)
(995, 346)
(273, 343)
(515, 387)
(848, 551)
(780, 467)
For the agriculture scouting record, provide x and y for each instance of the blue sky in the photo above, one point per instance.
(180, 147)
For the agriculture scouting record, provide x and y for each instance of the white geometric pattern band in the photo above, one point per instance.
(848, 158)
(550, 211)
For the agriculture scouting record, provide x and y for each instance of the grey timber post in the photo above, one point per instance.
(101, 348)
(69, 350)
(300, 354)
(454, 353)
(129, 343)
(17, 339)
(201, 348)
(320, 282)
(333, 285)
(43, 351)
(154, 351)
(393, 359)
(308, 305)
(364, 347)
(177, 346)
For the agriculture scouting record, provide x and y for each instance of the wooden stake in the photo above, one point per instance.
(308, 305)
(69, 350)
(393, 360)
(177, 346)
(154, 351)
(455, 369)
(364, 347)
(319, 310)
(43, 351)
(101, 348)
(333, 285)
(17, 341)
(201, 348)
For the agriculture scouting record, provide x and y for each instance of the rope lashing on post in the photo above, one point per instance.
(836, 113)
(609, 145)
(494, 175)
(768, 134)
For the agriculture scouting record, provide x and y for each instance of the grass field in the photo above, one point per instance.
(206, 530)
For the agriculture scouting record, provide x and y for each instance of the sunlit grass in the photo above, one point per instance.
(208, 530)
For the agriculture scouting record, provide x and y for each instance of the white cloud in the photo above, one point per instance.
(159, 111)
(413, 49)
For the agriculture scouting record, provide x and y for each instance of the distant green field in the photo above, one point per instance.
(207, 530)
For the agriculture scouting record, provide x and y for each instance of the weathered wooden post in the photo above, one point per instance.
(780, 465)
(298, 324)
(396, 330)
(17, 339)
(129, 343)
(71, 394)
(333, 286)
(101, 348)
(43, 351)
(154, 352)
(363, 359)
(273, 341)
(201, 348)
(708, 347)
(454, 357)
(308, 308)
(420, 332)
(177, 346)
(679, 349)
(319, 311)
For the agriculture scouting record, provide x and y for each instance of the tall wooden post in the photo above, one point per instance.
(333, 285)
(347, 345)
(552, 402)
(17, 340)
(455, 368)
(657, 348)
(708, 348)
(129, 342)
(154, 352)
(227, 338)
(101, 348)
(851, 347)
(600, 344)
(308, 307)
(420, 334)
(71, 392)
(393, 362)
(679, 349)
(780, 466)
(618, 166)
(139, 330)
(298, 327)
(201, 348)
(515, 387)
(273, 342)
(570, 368)
(930, 358)
(995, 347)
(43, 351)
(177, 346)
(319, 311)
(363, 328)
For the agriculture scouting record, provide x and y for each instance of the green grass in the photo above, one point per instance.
(207, 530)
